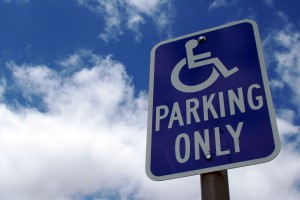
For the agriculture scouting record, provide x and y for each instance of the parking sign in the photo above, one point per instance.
(210, 106)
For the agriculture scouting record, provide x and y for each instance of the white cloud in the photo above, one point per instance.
(113, 20)
(146, 6)
(282, 16)
(37, 79)
(91, 140)
(218, 3)
(276, 84)
(269, 2)
(276, 180)
(133, 23)
(72, 61)
(3, 85)
(284, 45)
(121, 15)
(263, 181)
(221, 3)
(287, 114)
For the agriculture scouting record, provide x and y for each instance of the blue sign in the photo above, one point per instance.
(210, 106)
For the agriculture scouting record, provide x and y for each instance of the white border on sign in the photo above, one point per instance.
(268, 99)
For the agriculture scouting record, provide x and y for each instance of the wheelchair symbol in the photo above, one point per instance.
(199, 60)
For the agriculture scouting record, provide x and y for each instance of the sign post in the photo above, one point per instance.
(210, 105)
(214, 186)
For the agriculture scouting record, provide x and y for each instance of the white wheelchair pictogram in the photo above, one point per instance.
(199, 60)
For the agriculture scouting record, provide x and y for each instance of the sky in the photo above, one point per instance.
(74, 78)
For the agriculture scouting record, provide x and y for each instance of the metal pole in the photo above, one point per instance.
(214, 186)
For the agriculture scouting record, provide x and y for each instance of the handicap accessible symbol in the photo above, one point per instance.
(200, 60)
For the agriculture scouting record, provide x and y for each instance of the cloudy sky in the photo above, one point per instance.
(74, 96)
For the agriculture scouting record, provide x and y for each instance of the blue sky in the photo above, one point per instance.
(74, 88)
